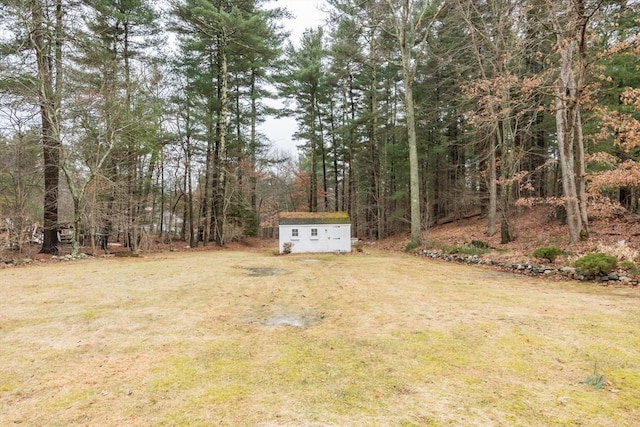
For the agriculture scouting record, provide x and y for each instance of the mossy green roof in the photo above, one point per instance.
(301, 218)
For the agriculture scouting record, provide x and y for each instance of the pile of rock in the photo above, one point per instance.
(11, 262)
(531, 269)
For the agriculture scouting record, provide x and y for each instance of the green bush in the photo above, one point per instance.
(466, 249)
(630, 267)
(411, 246)
(627, 265)
(550, 253)
(596, 264)
(480, 244)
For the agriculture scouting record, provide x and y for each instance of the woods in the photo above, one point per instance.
(135, 121)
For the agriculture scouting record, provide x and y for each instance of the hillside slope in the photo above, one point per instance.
(533, 228)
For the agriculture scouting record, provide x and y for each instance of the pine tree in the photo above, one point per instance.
(303, 82)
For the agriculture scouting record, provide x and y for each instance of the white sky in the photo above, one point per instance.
(307, 14)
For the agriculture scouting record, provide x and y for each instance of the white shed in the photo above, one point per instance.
(314, 232)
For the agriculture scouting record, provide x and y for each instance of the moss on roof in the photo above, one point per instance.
(298, 218)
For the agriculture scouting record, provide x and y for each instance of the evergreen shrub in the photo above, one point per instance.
(596, 264)
(630, 267)
(466, 249)
(411, 246)
(550, 253)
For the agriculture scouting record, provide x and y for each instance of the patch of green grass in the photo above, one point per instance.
(175, 373)
(90, 314)
(221, 393)
(435, 352)
(348, 364)
(9, 382)
(422, 422)
(76, 396)
(220, 374)
(598, 406)
(219, 362)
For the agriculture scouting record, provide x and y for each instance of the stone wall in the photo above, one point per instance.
(530, 269)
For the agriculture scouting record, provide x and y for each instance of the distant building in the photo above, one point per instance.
(314, 232)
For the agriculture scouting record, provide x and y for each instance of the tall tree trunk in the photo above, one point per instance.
(353, 180)
(492, 187)
(49, 99)
(133, 207)
(193, 240)
(313, 179)
(506, 141)
(334, 147)
(253, 149)
(323, 153)
(221, 194)
(565, 131)
(204, 229)
(414, 178)
(581, 177)
(580, 83)
(568, 93)
(410, 30)
(374, 155)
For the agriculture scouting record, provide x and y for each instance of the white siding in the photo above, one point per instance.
(316, 237)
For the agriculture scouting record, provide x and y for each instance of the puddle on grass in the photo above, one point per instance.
(297, 320)
(288, 319)
(264, 271)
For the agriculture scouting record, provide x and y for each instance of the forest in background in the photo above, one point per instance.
(132, 120)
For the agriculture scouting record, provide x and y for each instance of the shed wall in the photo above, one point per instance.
(325, 238)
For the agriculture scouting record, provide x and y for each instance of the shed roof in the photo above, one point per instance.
(301, 218)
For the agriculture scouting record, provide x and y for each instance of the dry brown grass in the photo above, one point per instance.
(373, 339)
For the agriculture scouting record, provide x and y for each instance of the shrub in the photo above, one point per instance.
(286, 247)
(596, 264)
(630, 267)
(550, 253)
(411, 246)
(595, 380)
(466, 249)
(627, 265)
(480, 244)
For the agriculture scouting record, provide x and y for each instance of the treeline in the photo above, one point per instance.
(134, 121)
(423, 111)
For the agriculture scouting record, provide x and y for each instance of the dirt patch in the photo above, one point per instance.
(264, 271)
(299, 320)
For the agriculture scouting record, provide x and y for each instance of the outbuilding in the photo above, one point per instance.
(314, 232)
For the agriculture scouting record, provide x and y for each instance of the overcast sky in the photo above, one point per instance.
(307, 14)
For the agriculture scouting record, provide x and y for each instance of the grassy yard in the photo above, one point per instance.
(253, 339)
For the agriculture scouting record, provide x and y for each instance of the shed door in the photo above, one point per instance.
(334, 235)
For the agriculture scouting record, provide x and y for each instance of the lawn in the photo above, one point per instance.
(250, 338)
